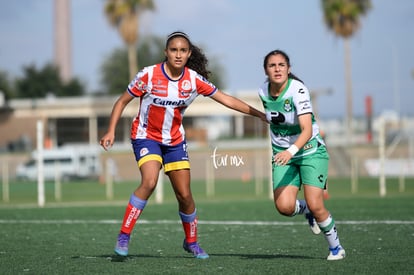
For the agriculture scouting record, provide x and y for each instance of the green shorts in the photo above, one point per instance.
(308, 166)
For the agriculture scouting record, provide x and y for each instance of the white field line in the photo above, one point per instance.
(5, 221)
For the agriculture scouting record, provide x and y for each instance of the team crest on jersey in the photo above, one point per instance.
(186, 85)
(143, 151)
(287, 106)
(185, 89)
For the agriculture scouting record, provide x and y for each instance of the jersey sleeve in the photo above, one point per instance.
(301, 100)
(139, 85)
(204, 87)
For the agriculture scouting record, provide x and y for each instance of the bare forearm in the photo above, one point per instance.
(108, 139)
(303, 139)
(238, 105)
(115, 115)
(117, 110)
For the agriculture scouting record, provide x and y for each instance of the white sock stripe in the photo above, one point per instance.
(326, 222)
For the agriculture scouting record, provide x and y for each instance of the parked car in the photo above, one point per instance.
(66, 162)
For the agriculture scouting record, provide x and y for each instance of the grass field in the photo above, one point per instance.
(241, 231)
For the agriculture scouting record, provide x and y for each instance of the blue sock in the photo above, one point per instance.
(137, 202)
(188, 217)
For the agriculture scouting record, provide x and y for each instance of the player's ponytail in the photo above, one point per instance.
(290, 75)
(198, 62)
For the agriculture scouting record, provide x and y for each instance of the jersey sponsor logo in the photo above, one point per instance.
(305, 105)
(141, 86)
(281, 134)
(164, 102)
(160, 88)
(301, 91)
(307, 146)
(160, 92)
(184, 94)
(277, 117)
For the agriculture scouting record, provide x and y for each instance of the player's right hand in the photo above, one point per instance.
(107, 141)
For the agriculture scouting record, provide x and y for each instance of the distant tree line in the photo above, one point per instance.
(114, 77)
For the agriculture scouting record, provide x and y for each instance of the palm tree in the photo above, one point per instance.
(124, 15)
(342, 17)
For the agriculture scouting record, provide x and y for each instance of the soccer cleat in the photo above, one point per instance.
(313, 224)
(337, 253)
(194, 248)
(121, 247)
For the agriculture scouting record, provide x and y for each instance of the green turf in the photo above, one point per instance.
(84, 191)
(77, 236)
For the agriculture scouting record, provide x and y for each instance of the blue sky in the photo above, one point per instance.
(238, 33)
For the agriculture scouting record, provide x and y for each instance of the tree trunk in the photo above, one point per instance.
(132, 61)
(348, 83)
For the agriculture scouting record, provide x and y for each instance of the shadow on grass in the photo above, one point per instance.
(262, 256)
(117, 258)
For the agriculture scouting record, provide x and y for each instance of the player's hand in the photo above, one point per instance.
(282, 158)
(263, 117)
(107, 141)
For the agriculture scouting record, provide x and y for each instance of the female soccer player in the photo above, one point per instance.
(165, 91)
(299, 153)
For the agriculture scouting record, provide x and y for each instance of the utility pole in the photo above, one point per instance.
(62, 39)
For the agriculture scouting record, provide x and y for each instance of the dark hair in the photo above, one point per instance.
(285, 56)
(197, 61)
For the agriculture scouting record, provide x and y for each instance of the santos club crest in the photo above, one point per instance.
(287, 106)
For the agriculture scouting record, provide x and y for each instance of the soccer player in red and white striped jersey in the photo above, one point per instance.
(165, 90)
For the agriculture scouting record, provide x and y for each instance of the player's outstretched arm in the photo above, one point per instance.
(237, 105)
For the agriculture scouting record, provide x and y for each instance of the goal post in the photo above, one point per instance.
(40, 166)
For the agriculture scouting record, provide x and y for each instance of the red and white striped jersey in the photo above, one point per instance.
(163, 102)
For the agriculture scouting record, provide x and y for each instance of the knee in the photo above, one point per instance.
(318, 211)
(148, 186)
(185, 202)
(184, 197)
(285, 209)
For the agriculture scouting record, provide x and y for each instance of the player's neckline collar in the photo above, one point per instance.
(166, 74)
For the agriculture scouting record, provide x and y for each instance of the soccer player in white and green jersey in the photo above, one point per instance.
(300, 158)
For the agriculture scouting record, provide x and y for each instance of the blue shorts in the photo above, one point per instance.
(172, 157)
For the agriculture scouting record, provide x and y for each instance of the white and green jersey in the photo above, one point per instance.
(283, 111)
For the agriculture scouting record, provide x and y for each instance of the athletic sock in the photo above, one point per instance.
(189, 222)
(132, 213)
(300, 208)
(329, 230)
